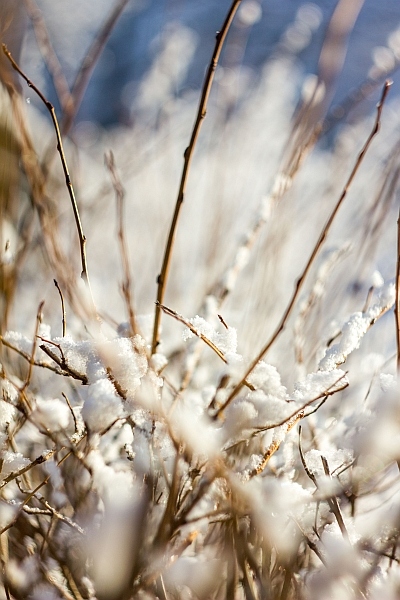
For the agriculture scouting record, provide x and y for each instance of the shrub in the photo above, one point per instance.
(137, 462)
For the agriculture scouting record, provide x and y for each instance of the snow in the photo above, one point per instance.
(336, 458)
(102, 406)
(196, 431)
(356, 327)
(52, 414)
(226, 341)
(12, 461)
(318, 384)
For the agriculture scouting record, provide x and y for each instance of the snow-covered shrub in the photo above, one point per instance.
(249, 447)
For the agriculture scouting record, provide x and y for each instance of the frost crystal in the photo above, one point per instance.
(196, 431)
(7, 412)
(76, 354)
(158, 362)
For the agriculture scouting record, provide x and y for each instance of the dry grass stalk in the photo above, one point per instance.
(188, 154)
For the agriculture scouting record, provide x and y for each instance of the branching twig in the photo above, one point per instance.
(39, 486)
(201, 113)
(26, 356)
(274, 446)
(178, 317)
(333, 503)
(62, 363)
(299, 412)
(314, 253)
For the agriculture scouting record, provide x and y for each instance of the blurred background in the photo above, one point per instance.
(188, 28)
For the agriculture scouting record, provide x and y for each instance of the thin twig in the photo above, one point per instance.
(27, 357)
(298, 413)
(309, 542)
(65, 368)
(64, 314)
(188, 324)
(315, 251)
(330, 391)
(37, 488)
(309, 473)
(334, 504)
(39, 317)
(126, 283)
(168, 559)
(38, 461)
(50, 108)
(274, 446)
(201, 113)
(397, 307)
(71, 411)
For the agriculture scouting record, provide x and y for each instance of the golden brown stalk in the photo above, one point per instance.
(188, 155)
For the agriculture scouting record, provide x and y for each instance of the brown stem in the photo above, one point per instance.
(188, 154)
(314, 253)
(397, 303)
(64, 314)
(334, 504)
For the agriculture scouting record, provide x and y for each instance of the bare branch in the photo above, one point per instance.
(50, 108)
(39, 317)
(201, 113)
(126, 283)
(397, 302)
(64, 314)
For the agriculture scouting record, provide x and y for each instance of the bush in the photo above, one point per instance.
(137, 462)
